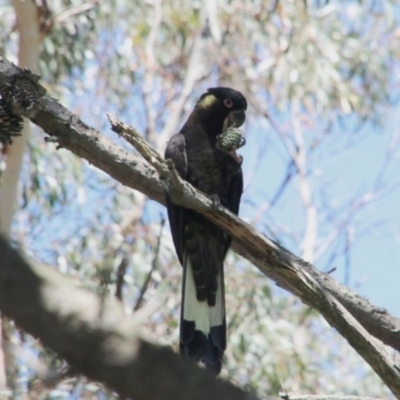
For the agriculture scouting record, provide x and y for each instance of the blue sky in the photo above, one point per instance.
(375, 259)
(346, 168)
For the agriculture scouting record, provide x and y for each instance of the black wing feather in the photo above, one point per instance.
(233, 203)
(235, 190)
(176, 151)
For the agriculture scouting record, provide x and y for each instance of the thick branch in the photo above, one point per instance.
(95, 336)
(276, 262)
(290, 396)
(375, 320)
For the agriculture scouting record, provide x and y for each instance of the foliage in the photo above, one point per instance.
(310, 67)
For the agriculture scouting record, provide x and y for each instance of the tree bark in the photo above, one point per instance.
(30, 38)
(96, 337)
(332, 300)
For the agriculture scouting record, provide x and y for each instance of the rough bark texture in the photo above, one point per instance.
(352, 320)
(30, 37)
(96, 337)
(28, 54)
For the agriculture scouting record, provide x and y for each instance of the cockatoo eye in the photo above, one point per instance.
(228, 103)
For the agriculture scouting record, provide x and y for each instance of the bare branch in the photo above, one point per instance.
(311, 213)
(293, 396)
(151, 65)
(74, 10)
(154, 264)
(121, 270)
(288, 271)
(94, 335)
(376, 320)
(193, 75)
(132, 136)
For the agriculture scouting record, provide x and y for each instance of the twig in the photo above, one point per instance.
(269, 204)
(132, 136)
(192, 76)
(304, 188)
(151, 64)
(154, 265)
(330, 271)
(74, 10)
(120, 277)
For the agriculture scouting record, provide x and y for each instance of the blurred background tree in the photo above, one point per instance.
(321, 79)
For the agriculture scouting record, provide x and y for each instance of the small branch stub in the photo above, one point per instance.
(165, 168)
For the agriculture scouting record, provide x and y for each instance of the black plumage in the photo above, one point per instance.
(201, 246)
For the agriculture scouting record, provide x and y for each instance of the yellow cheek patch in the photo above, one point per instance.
(207, 101)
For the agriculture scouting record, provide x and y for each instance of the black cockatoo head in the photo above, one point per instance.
(220, 107)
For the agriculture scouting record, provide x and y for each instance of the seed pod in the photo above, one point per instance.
(10, 124)
(231, 139)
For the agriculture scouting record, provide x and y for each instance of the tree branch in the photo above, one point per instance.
(30, 36)
(276, 262)
(96, 337)
(293, 396)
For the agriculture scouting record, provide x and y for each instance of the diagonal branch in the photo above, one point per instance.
(96, 338)
(293, 396)
(288, 271)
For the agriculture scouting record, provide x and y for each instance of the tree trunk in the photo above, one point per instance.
(30, 37)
